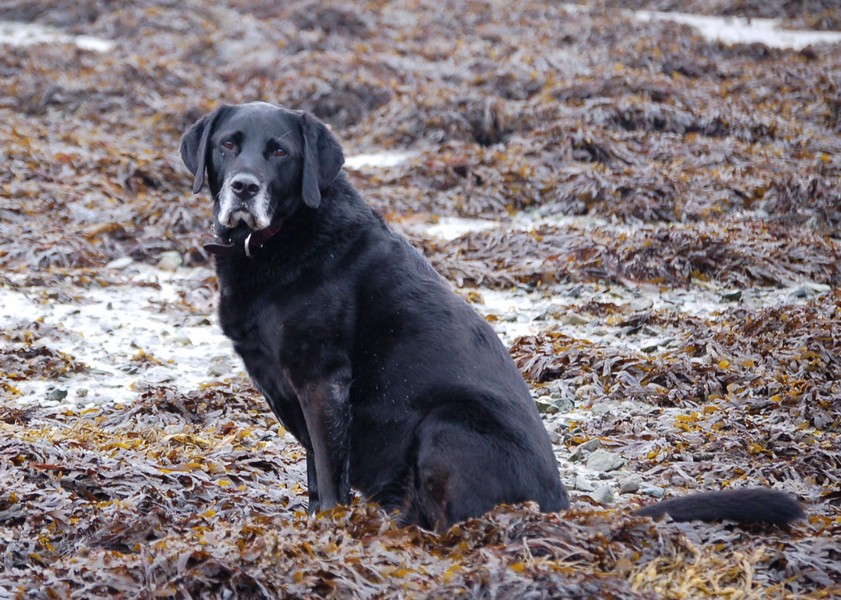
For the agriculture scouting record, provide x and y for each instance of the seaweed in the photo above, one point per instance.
(636, 159)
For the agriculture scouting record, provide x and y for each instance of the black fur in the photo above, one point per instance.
(752, 505)
(391, 382)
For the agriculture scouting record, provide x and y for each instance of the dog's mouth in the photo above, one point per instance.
(239, 217)
(254, 213)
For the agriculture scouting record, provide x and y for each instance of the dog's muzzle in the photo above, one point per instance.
(244, 198)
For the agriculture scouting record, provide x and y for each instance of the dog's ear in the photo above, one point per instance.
(194, 146)
(323, 159)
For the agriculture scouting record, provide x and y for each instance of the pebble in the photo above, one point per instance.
(653, 491)
(629, 486)
(574, 320)
(603, 495)
(546, 406)
(603, 408)
(220, 366)
(584, 448)
(603, 461)
(159, 374)
(56, 395)
(582, 484)
(170, 261)
(585, 391)
(641, 304)
(120, 263)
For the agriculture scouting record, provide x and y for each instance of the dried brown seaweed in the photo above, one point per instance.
(697, 163)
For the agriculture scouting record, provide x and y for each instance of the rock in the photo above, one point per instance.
(583, 449)
(170, 261)
(564, 404)
(653, 491)
(220, 366)
(56, 395)
(82, 393)
(591, 445)
(809, 289)
(732, 296)
(604, 461)
(546, 406)
(550, 405)
(650, 347)
(582, 484)
(120, 263)
(574, 320)
(602, 408)
(159, 374)
(641, 304)
(603, 495)
(629, 485)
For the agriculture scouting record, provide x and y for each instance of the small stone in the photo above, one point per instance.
(591, 445)
(220, 366)
(654, 492)
(732, 296)
(641, 304)
(603, 495)
(574, 320)
(582, 484)
(120, 263)
(546, 406)
(603, 408)
(159, 374)
(650, 347)
(564, 404)
(182, 341)
(170, 261)
(583, 449)
(629, 486)
(56, 395)
(604, 461)
(82, 393)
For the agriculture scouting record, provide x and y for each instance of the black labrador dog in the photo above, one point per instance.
(391, 382)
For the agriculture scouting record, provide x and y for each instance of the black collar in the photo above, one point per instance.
(253, 242)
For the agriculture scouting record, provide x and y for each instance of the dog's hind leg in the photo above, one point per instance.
(461, 472)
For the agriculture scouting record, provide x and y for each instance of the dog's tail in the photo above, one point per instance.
(753, 505)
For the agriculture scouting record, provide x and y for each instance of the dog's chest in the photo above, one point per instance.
(251, 323)
(284, 328)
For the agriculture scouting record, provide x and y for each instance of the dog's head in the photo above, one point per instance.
(263, 162)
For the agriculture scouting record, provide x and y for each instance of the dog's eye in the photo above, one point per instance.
(279, 152)
(228, 145)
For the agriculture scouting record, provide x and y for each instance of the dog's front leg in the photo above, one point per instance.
(326, 411)
(312, 485)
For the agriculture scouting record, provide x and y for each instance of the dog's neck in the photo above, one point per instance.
(252, 243)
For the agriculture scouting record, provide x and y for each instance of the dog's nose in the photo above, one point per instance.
(245, 186)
